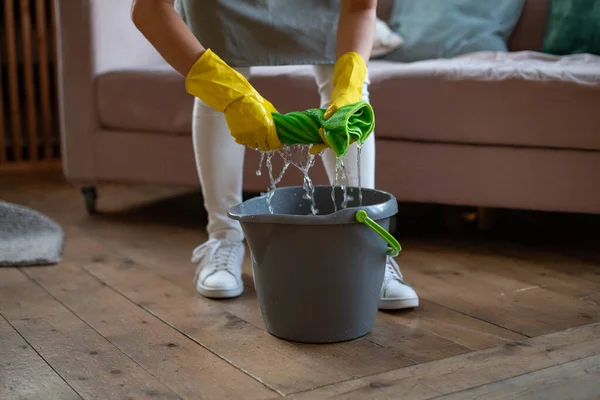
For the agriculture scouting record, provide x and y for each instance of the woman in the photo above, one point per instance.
(229, 114)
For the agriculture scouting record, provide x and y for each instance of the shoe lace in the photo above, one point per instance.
(216, 252)
(392, 268)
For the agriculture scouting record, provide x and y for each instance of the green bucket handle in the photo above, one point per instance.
(394, 247)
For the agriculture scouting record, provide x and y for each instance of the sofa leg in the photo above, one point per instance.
(90, 195)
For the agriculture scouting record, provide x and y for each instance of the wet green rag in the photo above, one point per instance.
(351, 123)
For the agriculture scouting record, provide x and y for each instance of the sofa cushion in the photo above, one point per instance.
(573, 27)
(513, 99)
(521, 99)
(446, 28)
(156, 100)
(144, 100)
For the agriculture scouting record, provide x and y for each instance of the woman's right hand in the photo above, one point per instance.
(248, 114)
(250, 120)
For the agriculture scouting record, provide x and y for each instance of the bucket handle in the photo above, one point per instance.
(394, 247)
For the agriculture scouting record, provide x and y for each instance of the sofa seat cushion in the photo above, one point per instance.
(144, 100)
(511, 99)
(156, 100)
(514, 99)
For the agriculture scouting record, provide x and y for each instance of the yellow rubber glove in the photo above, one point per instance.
(248, 114)
(349, 75)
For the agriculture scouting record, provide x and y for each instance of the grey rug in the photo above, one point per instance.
(28, 237)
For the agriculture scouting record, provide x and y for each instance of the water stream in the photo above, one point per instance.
(299, 157)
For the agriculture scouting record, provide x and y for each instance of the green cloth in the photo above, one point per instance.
(351, 123)
(573, 27)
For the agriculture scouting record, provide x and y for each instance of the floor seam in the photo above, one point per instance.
(460, 355)
(101, 335)
(38, 353)
(257, 379)
(512, 377)
(482, 320)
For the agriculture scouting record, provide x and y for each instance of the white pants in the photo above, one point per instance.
(220, 160)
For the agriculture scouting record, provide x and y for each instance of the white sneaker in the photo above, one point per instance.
(219, 274)
(395, 293)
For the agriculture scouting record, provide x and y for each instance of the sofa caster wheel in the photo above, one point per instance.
(90, 195)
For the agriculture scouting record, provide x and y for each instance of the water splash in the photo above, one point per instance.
(334, 185)
(358, 154)
(291, 155)
(274, 181)
(260, 164)
(340, 172)
(299, 157)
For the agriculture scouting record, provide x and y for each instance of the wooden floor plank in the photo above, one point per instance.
(151, 249)
(572, 255)
(593, 298)
(356, 358)
(413, 342)
(459, 328)
(575, 380)
(280, 365)
(475, 294)
(173, 358)
(171, 248)
(479, 368)
(24, 374)
(509, 303)
(588, 253)
(456, 332)
(170, 252)
(564, 275)
(87, 361)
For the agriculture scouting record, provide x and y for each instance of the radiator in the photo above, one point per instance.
(28, 106)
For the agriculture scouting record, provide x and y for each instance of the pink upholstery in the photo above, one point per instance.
(135, 100)
(487, 176)
(490, 176)
(384, 9)
(441, 137)
(76, 72)
(434, 108)
(529, 32)
(508, 112)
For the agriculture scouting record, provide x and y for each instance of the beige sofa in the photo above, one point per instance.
(512, 130)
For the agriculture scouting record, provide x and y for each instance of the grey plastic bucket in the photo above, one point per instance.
(318, 278)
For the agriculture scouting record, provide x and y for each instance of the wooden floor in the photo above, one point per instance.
(509, 313)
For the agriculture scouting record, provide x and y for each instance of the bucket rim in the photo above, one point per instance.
(377, 212)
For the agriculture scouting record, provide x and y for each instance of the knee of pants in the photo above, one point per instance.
(324, 80)
(201, 108)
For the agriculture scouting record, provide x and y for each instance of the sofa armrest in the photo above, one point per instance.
(78, 119)
(93, 37)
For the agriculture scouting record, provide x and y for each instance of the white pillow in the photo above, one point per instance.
(385, 40)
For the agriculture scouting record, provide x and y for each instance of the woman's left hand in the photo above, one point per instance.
(349, 76)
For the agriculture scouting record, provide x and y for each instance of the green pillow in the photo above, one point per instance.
(573, 27)
(448, 28)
